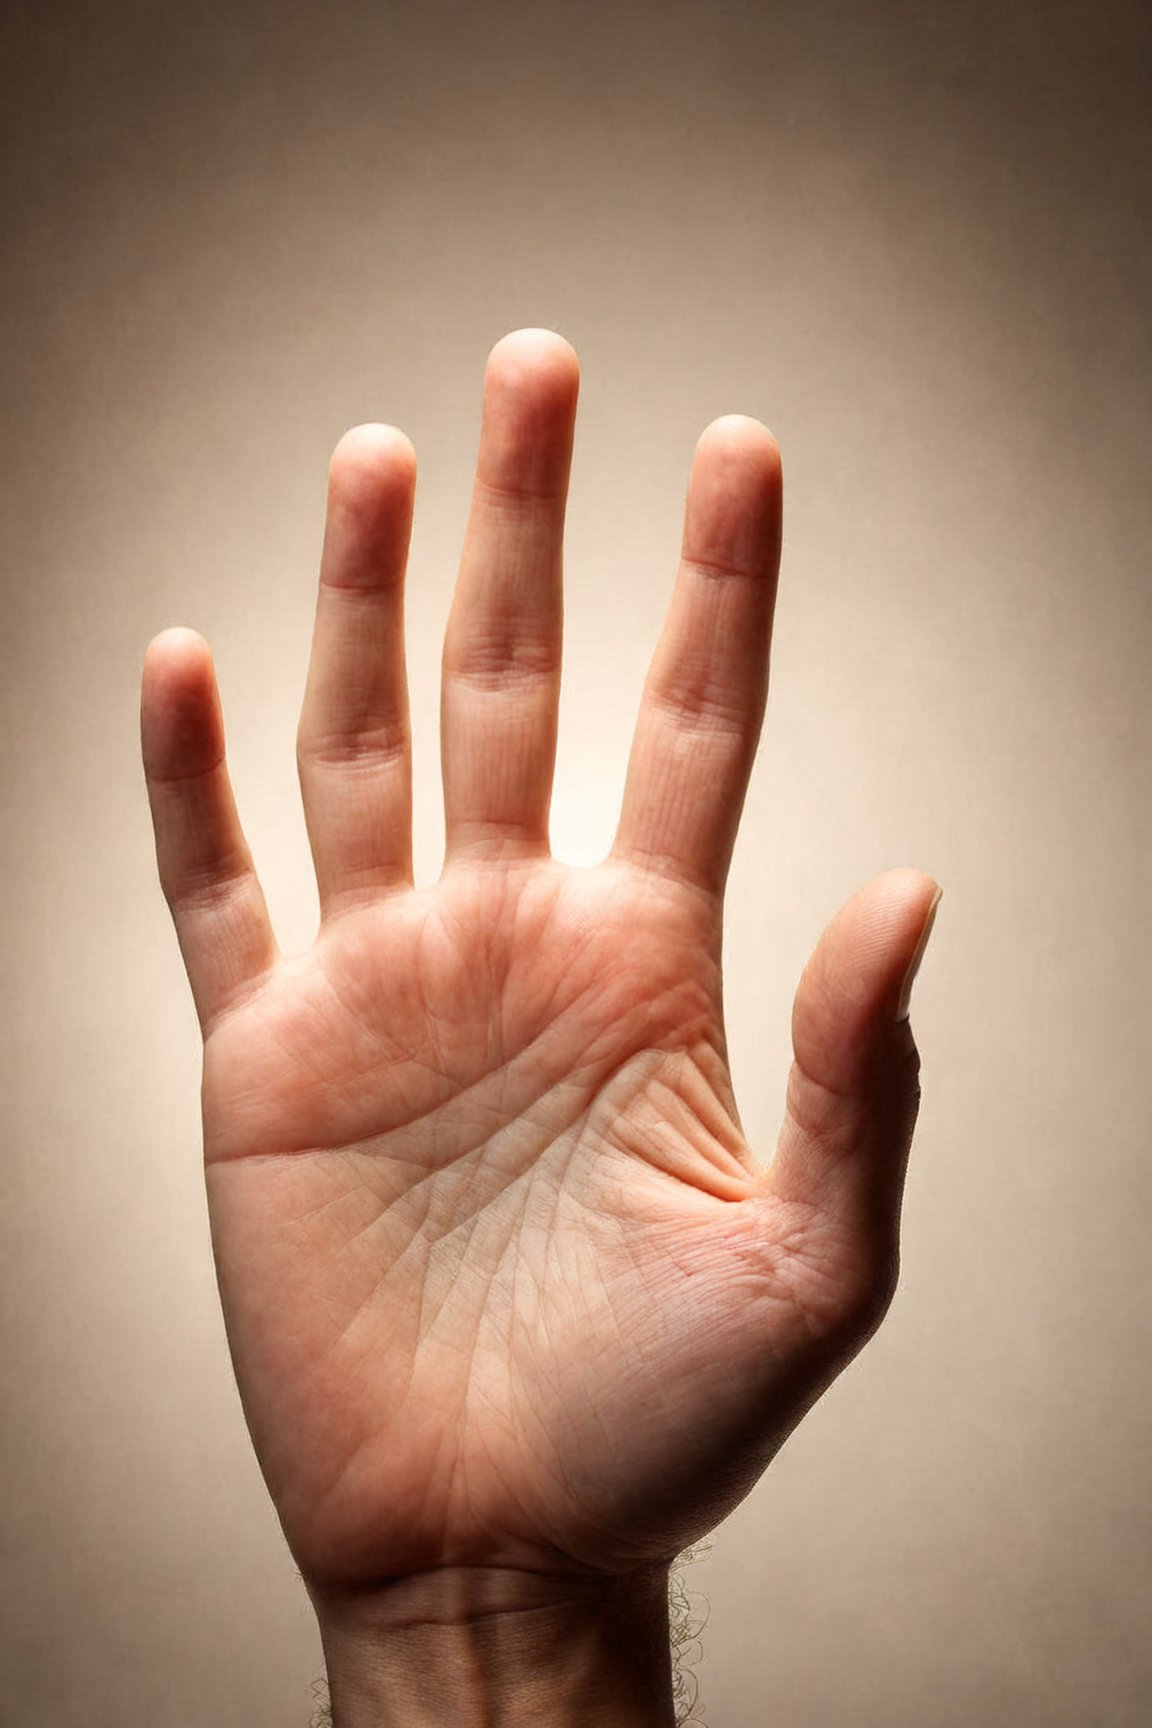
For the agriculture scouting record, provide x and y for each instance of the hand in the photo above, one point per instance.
(508, 1293)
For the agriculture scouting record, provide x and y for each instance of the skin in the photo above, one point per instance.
(508, 1293)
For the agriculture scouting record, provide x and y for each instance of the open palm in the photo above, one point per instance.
(505, 1285)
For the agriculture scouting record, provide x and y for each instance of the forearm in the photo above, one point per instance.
(469, 1649)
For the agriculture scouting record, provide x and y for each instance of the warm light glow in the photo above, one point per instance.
(584, 818)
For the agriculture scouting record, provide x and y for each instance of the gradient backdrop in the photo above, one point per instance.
(917, 241)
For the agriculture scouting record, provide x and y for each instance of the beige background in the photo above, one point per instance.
(916, 241)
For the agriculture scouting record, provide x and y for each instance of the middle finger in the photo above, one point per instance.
(502, 649)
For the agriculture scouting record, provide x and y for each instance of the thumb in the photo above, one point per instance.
(853, 1092)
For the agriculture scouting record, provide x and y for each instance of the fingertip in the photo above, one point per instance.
(734, 507)
(537, 351)
(531, 389)
(742, 438)
(176, 659)
(901, 899)
(175, 645)
(858, 978)
(927, 919)
(371, 459)
(875, 930)
(180, 724)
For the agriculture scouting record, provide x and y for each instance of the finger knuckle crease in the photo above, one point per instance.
(370, 747)
(701, 708)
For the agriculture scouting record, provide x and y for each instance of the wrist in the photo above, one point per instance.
(466, 1646)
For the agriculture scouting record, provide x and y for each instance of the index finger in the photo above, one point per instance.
(706, 690)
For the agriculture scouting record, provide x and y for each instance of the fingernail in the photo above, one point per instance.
(904, 1004)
